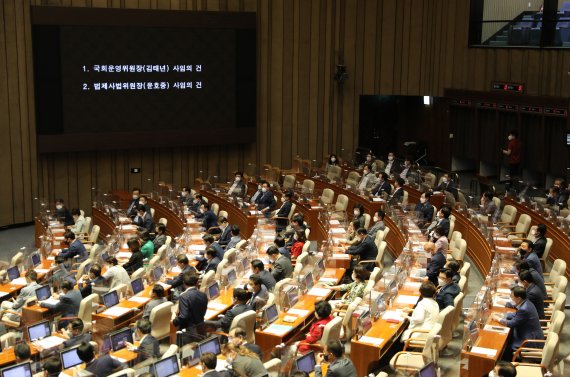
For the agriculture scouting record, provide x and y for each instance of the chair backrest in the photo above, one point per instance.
(220, 269)
(556, 322)
(463, 283)
(223, 213)
(160, 252)
(292, 211)
(450, 199)
(138, 274)
(303, 258)
(560, 285)
(17, 259)
(273, 367)
(462, 198)
(7, 340)
(376, 274)
(128, 372)
(215, 207)
(429, 179)
(509, 214)
(153, 262)
(347, 319)
(81, 269)
(87, 225)
(458, 305)
(94, 235)
(550, 350)
(241, 244)
(162, 220)
(405, 198)
(308, 185)
(152, 212)
(246, 321)
(381, 250)
(386, 231)
(160, 317)
(94, 251)
(465, 270)
(366, 220)
(331, 331)
(270, 300)
(86, 307)
(451, 227)
(230, 255)
(496, 201)
(380, 165)
(430, 351)
(523, 224)
(172, 350)
(289, 182)
(121, 289)
(335, 172)
(353, 177)
(207, 279)
(341, 202)
(549, 243)
(445, 319)
(559, 302)
(458, 253)
(327, 196)
(279, 288)
(379, 236)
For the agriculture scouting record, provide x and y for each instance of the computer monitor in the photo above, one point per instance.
(137, 285)
(69, 358)
(36, 259)
(429, 370)
(214, 291)
(43, 292)
(306, 363)
(271, 314)
(166, 367)
(232, 276)
(120, 338)
(292, 297)
(210, 345)
(39, 330)
(157, 273)
(173, 261)
(245, 264)
(105, 345)
(321, 264)
(309, 280)
(20, 370)
(111, 299)
(13, 273)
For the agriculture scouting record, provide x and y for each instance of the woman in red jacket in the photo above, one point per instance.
(323, 313)
(297, 247)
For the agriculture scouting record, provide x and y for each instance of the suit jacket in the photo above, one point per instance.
(425, 212)
(68, 304)
(446, 295)
(539, 246)
(285, 252)
(132, 208)
(225, 237)
(535, 295)
(212, 265)
(209, 219)
(436, 263)
(255, 349)
(285, 209)
(534, 262)
(103, 366)
(147, 349)
(135, 262)
(256, 196)
(77, 340)
(367, 249)
(538, 280)
(192, 306)
(249, 366)
(524, 324)
(267, 279)
(259, 299)
(342, 367)
(267, 200)
(27, 292)
(392, 168)
(144, 222)
(383, 186)
(282, 268)
(65, 216)
(233, 243)
(151, 305)
(177, 281)
(88, 289)
(444, 223)
(159, 241)
(76, 248)
(398, 195)
(238, 309)
(375, 228)
(367, 181)
(211, 373)
(240, 189)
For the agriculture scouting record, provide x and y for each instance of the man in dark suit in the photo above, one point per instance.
(196, 204)
(157, 298)
(93, 279)
(102, 366)
(398, 194)
(266, 202)
(267, 278)
(283, 212)
(436, 263)
(143, 219)
(212, 260)
(392, 165)
(148, 346)
(382, 186)
(208, 362)
(537, 278)
(68, 304)
(75, 248)
(210, 242)
(540, 241)
(75, 334)
(524, 323)
(527, 253)
(446, 185)
(240, 306)
(132, 208)
(184, 266)
(442, 220)
(238, 336)
(533, 292)
(407, 170)
(259, 293)
(137, 258)
(339, 366)
(226, 234)
(238, 187)
(186, 196)
(282, 267)
(448, 290)
(279, 242)
(208, 217)
(424, 210)
(192, 306)
(62, 213)
(366, 249)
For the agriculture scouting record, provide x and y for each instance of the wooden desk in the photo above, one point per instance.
(106, 224)
(8, 357)
(244, 220)
(175, 223)
(478, 249)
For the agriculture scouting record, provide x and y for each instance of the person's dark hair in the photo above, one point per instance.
(427, 195)
(85, 352)
(300, 373)
(198, 196)
(161, 228)
(439, 230)
(255, 279)
(77, 324)
(368, 166)
(336, 348)
(288, 195)
(359, 207)
(506, 369)
(182, 258)
(158, 290)
(208, 238)
(141, 208)
(133, 242)
(526, 276)
(256, 263)
(454, 266)
(384, 176)
(400, 181)
(272, 250)
(361, 273)
(32, 275)
(144, 325)
(238, 173)
(279, 241)
(336, 161)
(488, 195)
(52, 366)
(22, 351)
(355, 224)
(211, 252)
(59, 259)
(555, 190)
(60, 201)
(522, 265)
(381, 214)
(144, 197)
(238, 331)
(514, 133)
(147, 374)
(186, 188)
(323, 309)
(96, 270)
(69, 234)
(206, 205)
(136, 189)
(241, 295)
(529, 243)
(235, 230)
(446, 211)
(222, 220)
(362, 231)
(144, 235)
(447, 272)
(541, 228)
(301, 237)
(190, 279)
(209, 360)
(519, 292)
(75, 212)
(66, 284)
(427, 289)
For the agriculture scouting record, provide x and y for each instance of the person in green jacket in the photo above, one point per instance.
(147, 248)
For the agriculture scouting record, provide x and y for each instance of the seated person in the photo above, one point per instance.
(447, 289)
(360, 276)
(143, 200)
(197, 202)
(156, 298)
(136, 260)
(455, 268)
(257, 195)
(143, 219)
(186, 196)
(208, 363)
(487, 205)
(332, 161)
(442, 220)
(446, 185)
(148, 347)
(160, 238)
(238, 336)
(526, 252)
(184, 265)
(297, 247)
(209, 241)
(103, 365)
(351, 238)
(225, 232)
(392, 166)
(12, 308)
(75, 247)
(398, 194)
(58, 271)
(368, 180)
(540, 240)
(440, 240)
(283, 212)
(365, 250)
(266, 202)
(259, 295)
(240, 306)
(52, 367)
(62, 213)
(378, 224)
(383, 186)
(279, 243)
(132, 208)
(74, 333)
(282, 267)
(358, 211)
(115, 274)
(323, 315)
(425, 313)
(22, 352)
(407, 170)
(68, 303)
(147, 248)
(93, 279)
(533, 293)
(436, 264)
(297, 223)
(338, 364)
(424, 210)
(503, 369)
(212, 261)
(79, 222)
(238, 187)
(267, 278)
(209, 219)
(236, 238)
(243, 362)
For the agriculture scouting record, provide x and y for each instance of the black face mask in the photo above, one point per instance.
(522, 253)
(326, 357)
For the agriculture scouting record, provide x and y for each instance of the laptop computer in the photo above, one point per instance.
(39, 330)
(137, 286)
(271, 314)
(213, 291)
(43, 292)
(429, 370)
(120, 338)
(306, 363)
(232, 276)
(167, 367)
(13, 273)
(20, 370)
(157, 273)
(36, 259)
(111, 299)
(210, 345)
(69, 358)
(309, 280)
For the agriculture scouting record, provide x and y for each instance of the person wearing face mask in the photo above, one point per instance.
(266, 202)
(378, 224)
(148, 347)
(442, 220)
(503, 369)
(282, 267)
(143, 200)
(424, 314)
(12, 309)
(392, 167)
(238, 187)
(226, 233)
(332, 161)
(185, 196)
(143, 220)
(366, 249)
(368, 180)
(257, 195)
(351, 236)
(132, 208)
(136, 260)
(197, 202)
(236, 237)
(537, 278)
(440, 240)
(436, 263)
(260, 294)
(338, 365)
(398, 194)
(360, 276)
(540, 240)
(79, 222)
(282, 214)
(358, 211)
(209, 219)
(524, 323)
(424, 210)
(297, 247)
(527, 253)
(407, 169)
(514, 153)
(62, 213)
(533, 293)
(160, 238)
(323, 315)
(240, 306)
(68, 304)
(147, 248)
(370, 160)
(243, 362)
(447, 289)
(75, 248)
(383, 186)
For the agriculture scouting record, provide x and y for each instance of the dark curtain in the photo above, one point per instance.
(465, 140)
(556, 152)
(532, 137)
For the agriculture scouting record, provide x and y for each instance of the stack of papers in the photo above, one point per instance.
(338, 230)
(500, 329)
(392, 315)
(216, 306)
(123, 255)
(298, 312)
(484, 351)
(51, 301)
(407, 300)
(334, 222)
(371, 340)
(278, 329)
(129, 227)
(321, 292)
(49, 342)
(19, 281)
(140, 299)
(116, 311)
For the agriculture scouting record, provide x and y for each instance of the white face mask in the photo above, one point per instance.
(365, 172)
(59, 206)
(390, 158)
(264, 189)
(444, 180)
(353, 276)
(184, 193)
(493, 374)
(510, 137)
(333, 159)
(441, 282)
(375, 219)
(356, 212)
(250, 287)
(238, 179)
(202, 210)
(422, 200)
(75, 218)
(368, 158)
(259, 187)
(135, 197)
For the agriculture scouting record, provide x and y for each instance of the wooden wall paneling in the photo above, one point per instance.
(357, 76)
(330, 142)
(348, 38)
(310, 134)
(516, 57)
(131, 4)
(80, 3)
(264, 35)
(448, 50)
(100, 3)
(322, 103)
(213, 5)
(302, 93)
(413, 45)
(291, 128)
(388, 23)
(533, 78)
(85, 194)
(288, 57)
